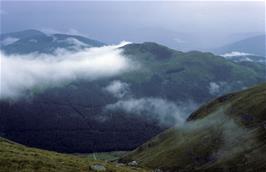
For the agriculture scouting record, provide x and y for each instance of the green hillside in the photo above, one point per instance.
(187, 75)
(16, 157)
(227, 133)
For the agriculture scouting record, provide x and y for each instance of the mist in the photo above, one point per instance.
(165, 112)
(21, 73)
(218, 124)
(176, 24)
(117, 89)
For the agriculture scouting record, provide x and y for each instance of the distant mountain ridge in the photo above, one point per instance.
(30, 41)
(253, 45)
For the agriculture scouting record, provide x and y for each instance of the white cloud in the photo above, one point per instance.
(20, 73)
(9, 40)
(214, 88)
(164, 111)
(117, 88)
(73, 42)
(235, 53)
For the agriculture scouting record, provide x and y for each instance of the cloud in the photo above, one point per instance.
(235, 53)
(214, 88)
(164, 111)
(22, 73)
(117, 88)
(73, 42)
(235, 138)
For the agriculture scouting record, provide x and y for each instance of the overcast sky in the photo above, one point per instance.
(139, 21)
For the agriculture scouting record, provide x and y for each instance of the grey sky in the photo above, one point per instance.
(169, 23)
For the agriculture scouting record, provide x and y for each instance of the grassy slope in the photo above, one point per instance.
(228, 132)
(190, 73)
(159, 59)
(16, 157)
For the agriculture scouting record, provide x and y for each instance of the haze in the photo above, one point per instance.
(179, 25)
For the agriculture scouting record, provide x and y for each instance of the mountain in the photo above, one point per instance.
(30, 41)
(253, 45)
(85, 116)
(16, 157)
(226, 133)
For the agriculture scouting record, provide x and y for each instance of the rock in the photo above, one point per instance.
(157, 170)
(133, 163)
(119, 164)
(97, 167)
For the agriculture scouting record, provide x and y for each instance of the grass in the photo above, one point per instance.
(18, 158)
(228, 132)
(106, 156)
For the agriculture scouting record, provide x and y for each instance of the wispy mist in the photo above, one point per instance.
(235, 137)
(117, 88)
(161, 110)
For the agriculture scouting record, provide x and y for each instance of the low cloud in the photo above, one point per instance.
(117, 88)
(21, 73)
(235, 138)
(235, 53)
(214, 88)
(74, 43)
(164, 111)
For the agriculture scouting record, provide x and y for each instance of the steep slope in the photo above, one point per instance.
(32, 41)
(74, 117)
(227, 133)
(253, 45)
(16, 157)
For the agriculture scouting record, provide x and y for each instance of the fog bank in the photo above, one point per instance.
(21, 73)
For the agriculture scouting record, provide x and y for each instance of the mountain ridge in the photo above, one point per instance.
(254, 45)
(32, 41)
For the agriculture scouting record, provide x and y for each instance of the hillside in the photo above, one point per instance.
(226, 133)
(85, 116)
(16, 157)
